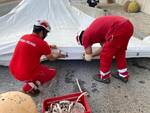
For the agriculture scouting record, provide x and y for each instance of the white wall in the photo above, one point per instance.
(146, 6)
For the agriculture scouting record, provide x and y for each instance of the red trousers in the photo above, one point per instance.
(116, 47)
(43, 74)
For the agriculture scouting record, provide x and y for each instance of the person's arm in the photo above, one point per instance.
(88, 54)
(51, 57)
(88, 50)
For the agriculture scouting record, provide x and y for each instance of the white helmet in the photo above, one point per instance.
(44, 24)
(79, 37)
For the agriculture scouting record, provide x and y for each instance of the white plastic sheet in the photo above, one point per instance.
(65, 21)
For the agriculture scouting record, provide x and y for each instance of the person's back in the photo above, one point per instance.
(102, 24)
(26, 58)
(100, 28)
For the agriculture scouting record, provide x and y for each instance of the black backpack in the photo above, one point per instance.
(92, 3)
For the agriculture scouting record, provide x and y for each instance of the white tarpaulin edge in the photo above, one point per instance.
(65, 21)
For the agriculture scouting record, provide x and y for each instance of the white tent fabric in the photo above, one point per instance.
(65, 21)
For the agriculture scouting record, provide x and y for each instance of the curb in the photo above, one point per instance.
(9, 2)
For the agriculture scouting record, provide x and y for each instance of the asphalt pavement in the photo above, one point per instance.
(117, 97)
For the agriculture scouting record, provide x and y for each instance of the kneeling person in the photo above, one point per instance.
(25, 64)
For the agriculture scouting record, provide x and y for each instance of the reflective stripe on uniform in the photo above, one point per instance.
(32, 85)
(104, 74)
(122, 70)
(123, 75)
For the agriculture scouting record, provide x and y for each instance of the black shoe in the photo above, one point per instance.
(97, 78)
(33, 92)
(123, 79)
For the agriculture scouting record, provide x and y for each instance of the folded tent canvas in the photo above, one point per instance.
(65, 21)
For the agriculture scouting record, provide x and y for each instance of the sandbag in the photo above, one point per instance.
(16, 102)
(133, 7)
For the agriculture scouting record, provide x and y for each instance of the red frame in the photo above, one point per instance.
(71, 97)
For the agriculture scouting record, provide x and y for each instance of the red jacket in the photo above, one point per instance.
(27, 54)
(104, 29)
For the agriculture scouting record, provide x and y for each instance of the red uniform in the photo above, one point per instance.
(25, 63)
(114, 32)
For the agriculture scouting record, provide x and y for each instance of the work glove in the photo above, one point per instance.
(87, 57)
(57, 53)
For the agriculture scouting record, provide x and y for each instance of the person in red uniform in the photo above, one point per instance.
(113, 33)
(25, 63)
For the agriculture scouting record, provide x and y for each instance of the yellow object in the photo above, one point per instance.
(133, 7)
(16, 102)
